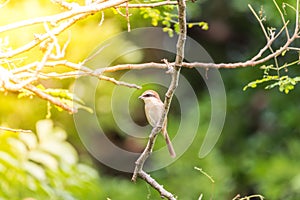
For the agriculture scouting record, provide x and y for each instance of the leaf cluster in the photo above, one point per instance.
(167, 19)
(43, 166)
(277, 74)
(62, 95)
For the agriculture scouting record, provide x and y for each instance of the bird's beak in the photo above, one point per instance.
(141, 97)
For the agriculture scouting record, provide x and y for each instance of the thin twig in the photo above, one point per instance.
(88, 9)
(294, 48)
(80, 71)
(128, 17)
(148, 5)
(40, 38)
(130, 85)
(269, 43)
(297, 19)
(135, 67)
(269, 38)
(102, 19)
(72, 16)
(15, 130)
(283, 19)
(65, 4)
(255, 196)
(260, 22)
(49, 49)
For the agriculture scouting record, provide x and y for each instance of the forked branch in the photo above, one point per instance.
(138, 171)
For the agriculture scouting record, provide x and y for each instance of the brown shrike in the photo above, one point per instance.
(154, 108)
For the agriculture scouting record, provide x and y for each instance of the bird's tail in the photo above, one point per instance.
(169, 144)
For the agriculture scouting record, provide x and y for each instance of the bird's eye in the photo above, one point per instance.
(148, 95)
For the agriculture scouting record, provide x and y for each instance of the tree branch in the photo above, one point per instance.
(14, 130)
(149, 5)
(77, 10)
(74, 12)
(151, 181)
(138, 171)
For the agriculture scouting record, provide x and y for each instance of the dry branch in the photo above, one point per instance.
(29, 73)
(151, 181)
(138, 171)
(149, 5)
(14, 130)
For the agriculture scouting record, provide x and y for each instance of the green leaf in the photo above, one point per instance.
(146, 15)
(66, 97)
(154, 22)
(272, 85)
(283, 53)
(8, 160)
(25, 93)
(204, 25)
(63, 94)
(162, 15)
(297, 79)
(176, 28)
(86, 108)
(254, 84)
(18, 145)
(166, 23)
(29, 139)
(190, 25)
(53, 142)
(35, 170)
(169, 31)
(43, 158)
(267, 67)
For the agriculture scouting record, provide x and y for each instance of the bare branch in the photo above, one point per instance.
(50, 98)
(260, 22)
(65, 4)
(135, 66)
(14, 130)
(130, 85)
(271, 33)
(38, 92)
(73, 16)
(39, 38)
(77, 10)
(294, 48)
(138, 171)
(283, 19)
(297, 19)
(149, 5)
(269, 43)
(79, 72)
(151, 181)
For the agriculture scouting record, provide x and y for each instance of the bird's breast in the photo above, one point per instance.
(153, 113)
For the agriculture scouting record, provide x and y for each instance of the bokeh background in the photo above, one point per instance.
(258, 151)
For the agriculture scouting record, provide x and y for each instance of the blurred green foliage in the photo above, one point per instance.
(257, 153)
(168, 19)
(44, 166)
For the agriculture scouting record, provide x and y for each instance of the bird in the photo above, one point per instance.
(154, 108)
